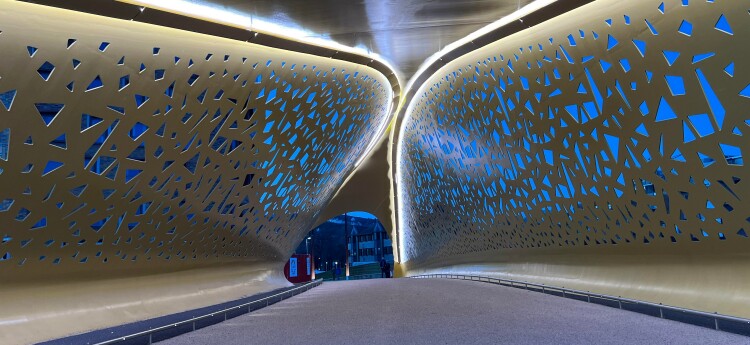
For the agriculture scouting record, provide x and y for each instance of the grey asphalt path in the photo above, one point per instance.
(442, 311)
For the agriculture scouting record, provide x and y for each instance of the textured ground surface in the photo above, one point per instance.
(441, 311)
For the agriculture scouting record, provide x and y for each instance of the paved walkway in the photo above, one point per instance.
(442, 311)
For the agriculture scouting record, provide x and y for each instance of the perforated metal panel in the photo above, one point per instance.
(132, 149)
(618, 126)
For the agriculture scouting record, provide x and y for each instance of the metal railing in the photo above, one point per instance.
(366, 276)
(716, 321)
(357, 277)
(228, 313)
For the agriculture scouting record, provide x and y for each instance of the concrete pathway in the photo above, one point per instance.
(442, 311)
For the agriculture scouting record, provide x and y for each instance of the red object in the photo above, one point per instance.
(298, 268)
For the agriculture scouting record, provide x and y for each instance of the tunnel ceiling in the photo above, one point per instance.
(403, 32)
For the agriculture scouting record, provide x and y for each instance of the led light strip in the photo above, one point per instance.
(515, 16)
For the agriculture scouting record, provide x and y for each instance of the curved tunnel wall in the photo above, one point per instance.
(189, 164)
(600, 150)
(367, 189)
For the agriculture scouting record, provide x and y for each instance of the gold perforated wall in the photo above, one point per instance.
(601, 150)
(132, 150)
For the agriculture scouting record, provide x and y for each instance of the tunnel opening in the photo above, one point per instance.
(350, 246)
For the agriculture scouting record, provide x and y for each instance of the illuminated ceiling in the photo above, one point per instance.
(404, 32)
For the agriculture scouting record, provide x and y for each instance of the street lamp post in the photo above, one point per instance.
(346, 234)
(312, 259)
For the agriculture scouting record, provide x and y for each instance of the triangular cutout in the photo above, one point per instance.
(88, 121)
(191, 163)
(729, 70)
(746, 91)
(138, 153)
(45, 70)
(49, 111)
(7, 98)
(670, 56)
(95, 84)
(120, 110)
(723, 25)
(112, 174)
(687, 134)
(641, 46)
(664, 112)
(130, 174)
(140, 100)
(611, 42)
(60, 142)
(51, 166)
(107, 192)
